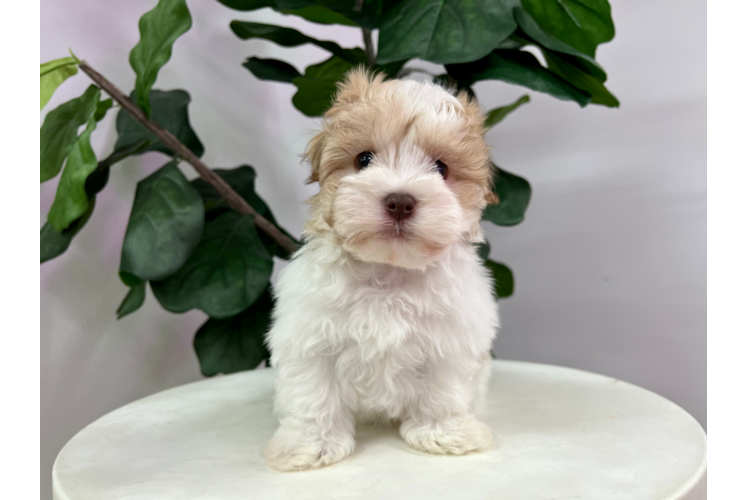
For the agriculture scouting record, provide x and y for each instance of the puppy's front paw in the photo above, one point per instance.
(292, 450)
(450, 437)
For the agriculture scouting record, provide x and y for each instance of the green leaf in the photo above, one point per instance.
(55, 64)
(514, 196)
(318, 86)
(513, 42)
(248, 5)
(129, 279)
(165, 225)
(60, 130)
(373, 14)
(444, 31)
(531, 28)
(71, 200)
(326, 12)
(53, 243)
(390, 69)
(133, 300)
(159, 29)
(225, 274)
(52, 74)
(314, 97)
(168, 109)
(285, 37)
(77, 61)
(498, 114)
(583, 24)
(242, 180)
(564, 66)
(98, 179)
(503, 279)
(519, 68)
(237, 343)
(271, 69)
(101, 108)
(320, 15)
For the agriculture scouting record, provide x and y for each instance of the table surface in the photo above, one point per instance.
(558, 433)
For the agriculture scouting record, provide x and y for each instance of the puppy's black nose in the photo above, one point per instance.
(400, 206)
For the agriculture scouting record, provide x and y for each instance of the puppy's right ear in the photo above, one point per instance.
(313, 155)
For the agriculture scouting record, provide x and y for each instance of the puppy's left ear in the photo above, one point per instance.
(313, 155)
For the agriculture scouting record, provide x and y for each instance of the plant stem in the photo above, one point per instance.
(371, 56)
(233, 198)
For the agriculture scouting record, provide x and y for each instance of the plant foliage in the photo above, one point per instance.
(185, 240)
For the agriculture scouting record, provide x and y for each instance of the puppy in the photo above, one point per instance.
(386, 313)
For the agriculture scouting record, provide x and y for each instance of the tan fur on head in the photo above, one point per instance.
(359, 84)
(408, 126)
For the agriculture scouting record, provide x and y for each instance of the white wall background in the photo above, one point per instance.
(610, 263)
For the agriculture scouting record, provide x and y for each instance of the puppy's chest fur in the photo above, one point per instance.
(385, 330)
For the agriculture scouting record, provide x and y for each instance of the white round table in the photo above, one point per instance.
(558, 433)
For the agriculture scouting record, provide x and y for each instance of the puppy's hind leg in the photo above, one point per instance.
(317, 427)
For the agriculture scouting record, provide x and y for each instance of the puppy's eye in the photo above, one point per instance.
(363, 159)
(441, 168)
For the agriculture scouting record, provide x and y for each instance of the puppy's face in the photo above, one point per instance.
(403, 171)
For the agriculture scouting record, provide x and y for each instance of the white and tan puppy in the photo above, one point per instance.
(386, 313)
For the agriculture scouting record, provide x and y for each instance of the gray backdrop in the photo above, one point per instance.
(610, 262)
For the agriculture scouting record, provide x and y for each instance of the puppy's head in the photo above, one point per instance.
(403, 171)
